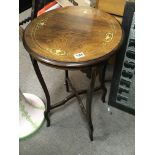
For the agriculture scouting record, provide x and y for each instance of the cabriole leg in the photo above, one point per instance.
(102, 80)
(89, 101)
(66, 82)
(42, 82)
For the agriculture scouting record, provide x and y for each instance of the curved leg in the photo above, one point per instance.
(89, 101)
(102, 80)
(42, 82)
(66, 82)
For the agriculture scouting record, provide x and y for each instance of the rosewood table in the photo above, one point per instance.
(73, 38)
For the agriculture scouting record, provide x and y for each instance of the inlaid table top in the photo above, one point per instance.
(73, 36)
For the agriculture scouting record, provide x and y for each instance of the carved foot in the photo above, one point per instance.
(104, 94)
(91, 135)
(47, 118)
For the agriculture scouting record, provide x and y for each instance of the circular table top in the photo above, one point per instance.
(73, 36)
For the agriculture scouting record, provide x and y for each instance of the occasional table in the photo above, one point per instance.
(73, 38)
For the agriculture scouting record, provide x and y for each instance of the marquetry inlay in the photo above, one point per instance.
(61, 34)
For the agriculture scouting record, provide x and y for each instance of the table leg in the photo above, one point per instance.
(102, 80)
(66, 82)
(89, 101)
(42, 82)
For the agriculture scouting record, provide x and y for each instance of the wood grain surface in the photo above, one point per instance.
(73, 36)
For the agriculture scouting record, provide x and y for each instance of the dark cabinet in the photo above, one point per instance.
(24, 5)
